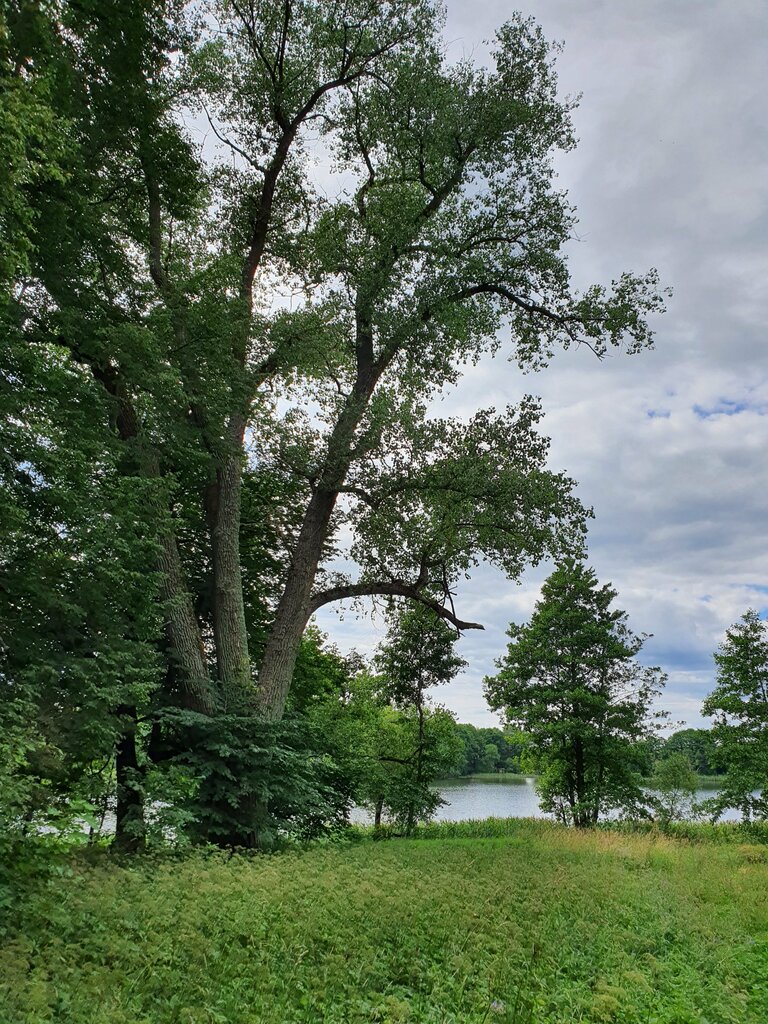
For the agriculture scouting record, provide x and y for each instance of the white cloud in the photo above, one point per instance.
(668, 446)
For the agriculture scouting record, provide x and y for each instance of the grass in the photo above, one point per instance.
(728, 832)
(710, 781)
(538, 925)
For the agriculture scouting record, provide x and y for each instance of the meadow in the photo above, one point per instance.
(533, 923)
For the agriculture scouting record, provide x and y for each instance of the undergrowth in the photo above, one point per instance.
(534, 925)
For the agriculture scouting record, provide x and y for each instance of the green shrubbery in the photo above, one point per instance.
(541, 924)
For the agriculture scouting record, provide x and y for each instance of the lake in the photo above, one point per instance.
(502, 797)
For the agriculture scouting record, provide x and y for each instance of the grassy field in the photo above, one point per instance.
(539, 925)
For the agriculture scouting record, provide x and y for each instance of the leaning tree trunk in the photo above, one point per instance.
(293, 610)
(294, 607)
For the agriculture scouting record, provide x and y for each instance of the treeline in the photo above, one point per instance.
(491, 750)
(697, 746)
(486, 750)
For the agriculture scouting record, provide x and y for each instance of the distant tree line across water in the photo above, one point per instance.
(491, 750)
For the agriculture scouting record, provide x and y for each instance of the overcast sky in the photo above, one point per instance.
(669, 447)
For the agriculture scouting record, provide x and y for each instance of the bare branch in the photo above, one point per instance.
(391, 588)
(235, 148)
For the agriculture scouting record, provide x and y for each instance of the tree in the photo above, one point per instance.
(571, 682)
(739, 706)
(479, 746)
(698, 747)
(674, 788)
(148, 267)
(489, 759)
(417, 654)
(374, 744)
(451, 229)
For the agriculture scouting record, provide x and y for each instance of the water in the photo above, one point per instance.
(502, 797)
(488, 798)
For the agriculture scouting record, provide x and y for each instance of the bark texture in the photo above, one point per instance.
(229, 625)
(186, 646)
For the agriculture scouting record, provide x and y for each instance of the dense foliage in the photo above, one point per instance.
(697, 745)
(486, 750)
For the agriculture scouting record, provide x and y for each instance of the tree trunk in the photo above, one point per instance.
(186, 646)
(229, 626)
(419, 779)
(581, 818)
(130, 833)
(378, 811)
(185, 643)
(293, 612)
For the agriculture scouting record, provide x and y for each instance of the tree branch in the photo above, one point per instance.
(392, 588)
(564, 322)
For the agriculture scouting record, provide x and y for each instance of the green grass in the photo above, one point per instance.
(537, 926)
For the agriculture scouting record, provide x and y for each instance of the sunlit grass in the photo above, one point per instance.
(539, 925)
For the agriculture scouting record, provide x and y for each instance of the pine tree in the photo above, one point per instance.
(739, 704)
(570, 680)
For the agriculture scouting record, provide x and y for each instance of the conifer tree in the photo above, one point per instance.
(571, 681)
(739, 706)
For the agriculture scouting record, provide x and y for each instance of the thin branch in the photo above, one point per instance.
(391, 588)
(235, 148)
(529, 306)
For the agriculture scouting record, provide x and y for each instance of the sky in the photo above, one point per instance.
(669, 447)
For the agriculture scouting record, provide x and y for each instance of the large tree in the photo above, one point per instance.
(162, 273)
(570, 680)
(739, 706)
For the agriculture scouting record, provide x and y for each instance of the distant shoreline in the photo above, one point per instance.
(703, 781)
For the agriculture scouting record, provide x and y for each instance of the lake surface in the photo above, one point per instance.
(501, 797)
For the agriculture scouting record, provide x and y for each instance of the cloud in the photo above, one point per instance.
(669, 446)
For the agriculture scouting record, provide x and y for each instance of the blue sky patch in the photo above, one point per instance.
(723, 407)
